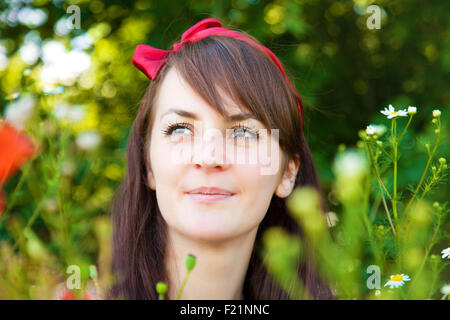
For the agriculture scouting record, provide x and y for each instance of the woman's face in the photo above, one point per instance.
(198, 153)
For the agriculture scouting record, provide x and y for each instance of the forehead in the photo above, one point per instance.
(175, 92)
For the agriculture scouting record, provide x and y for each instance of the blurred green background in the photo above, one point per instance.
(76, 91)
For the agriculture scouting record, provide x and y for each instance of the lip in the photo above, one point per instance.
(211, 191)
(209, 194)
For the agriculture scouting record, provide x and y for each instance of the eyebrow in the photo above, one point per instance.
(187, 114)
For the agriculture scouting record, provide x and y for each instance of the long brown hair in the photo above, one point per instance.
(252, 80)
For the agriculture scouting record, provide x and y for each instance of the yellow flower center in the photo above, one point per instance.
(397, 277)
(395, 112)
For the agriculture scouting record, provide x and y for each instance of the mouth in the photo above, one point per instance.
(209, 195)
(208, 198)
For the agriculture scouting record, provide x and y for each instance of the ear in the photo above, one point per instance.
(287, 182)
(150, 178)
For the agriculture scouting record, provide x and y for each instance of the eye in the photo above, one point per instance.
(240, 131)
(244, 132)
(177, 128)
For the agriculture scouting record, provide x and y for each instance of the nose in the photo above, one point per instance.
(209, 151)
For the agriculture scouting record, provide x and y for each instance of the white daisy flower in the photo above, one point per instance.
(332, 218)
(446, 289)
(412, 110)
(88, 140)
(436, 113)
(391, 113)
(397, 280)
(446, 253)
(19, 111)
(379, 129)
(64, 111)
(370, 130)
(351, 165)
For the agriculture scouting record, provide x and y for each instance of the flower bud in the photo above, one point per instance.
(436, 113)
(370, 130)
(380, 143)
(437, 131)
(190, 262)
(442, 160)
(350, 168)
(445, 290)
(412, 110)
(362, 134)
(161, 288)
(434, 121)
(304, 206)
(435, 258)
(378, 129)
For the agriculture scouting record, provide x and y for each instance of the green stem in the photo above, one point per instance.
(427, 188)
(382, 187)
(183, 284)
(367, 222)
(404, 130)
(430, 157)
(384, 151)
(375, 206)
(394, 199)
(377, 174)
(13, 199)
(388, 214)
(30, 222)
(427, 252)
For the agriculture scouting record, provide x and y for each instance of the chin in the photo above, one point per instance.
(210, 232)
(209, 237)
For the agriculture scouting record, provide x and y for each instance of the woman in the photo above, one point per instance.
(177, 199)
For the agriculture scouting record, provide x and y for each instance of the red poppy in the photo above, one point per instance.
(68, 295)
(15, 149)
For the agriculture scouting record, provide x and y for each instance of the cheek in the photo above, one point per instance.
(256, 190)
(165, 171)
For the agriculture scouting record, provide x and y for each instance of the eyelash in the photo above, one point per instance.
(171, 127)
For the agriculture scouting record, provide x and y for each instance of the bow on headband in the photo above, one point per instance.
(150, 60)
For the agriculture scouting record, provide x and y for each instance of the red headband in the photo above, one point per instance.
(150, 60)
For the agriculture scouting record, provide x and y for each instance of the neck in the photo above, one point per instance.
(220, 267)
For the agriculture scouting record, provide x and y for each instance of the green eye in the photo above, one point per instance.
(178, 128)
(240, 131)
(245, 133)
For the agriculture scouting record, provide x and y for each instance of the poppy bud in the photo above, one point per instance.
(190, 262)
